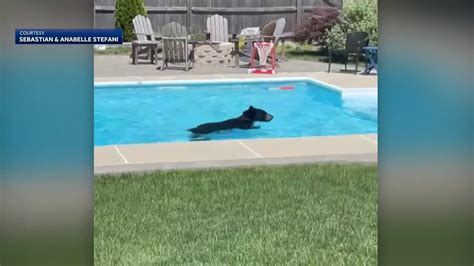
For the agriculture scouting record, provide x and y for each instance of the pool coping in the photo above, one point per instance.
(104, 84)
(356, 148)
(236, 153)
(364, 159)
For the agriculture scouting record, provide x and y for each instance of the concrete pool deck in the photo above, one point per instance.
(232, 153)
(342, 80)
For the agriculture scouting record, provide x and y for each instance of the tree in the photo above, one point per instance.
(357, 15)
(125, 11)
(315, 25)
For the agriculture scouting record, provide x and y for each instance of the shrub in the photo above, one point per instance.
(242, 41)
(357, 15)
(315, 26)
(125, 11)
(195, 33)
(199, 37)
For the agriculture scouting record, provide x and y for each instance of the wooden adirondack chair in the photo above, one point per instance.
(146, 42)
(272, 31)
(175, 45)
(218, 29)
(279, 28)
(267, 32)
(218, 35)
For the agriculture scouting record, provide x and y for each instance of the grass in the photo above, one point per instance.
(304, 52)
(315, 214)
(119, 50)
(309, 52)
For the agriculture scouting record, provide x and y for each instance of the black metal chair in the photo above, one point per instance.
(355, 41)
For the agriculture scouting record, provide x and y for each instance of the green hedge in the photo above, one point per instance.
(357, 15)
(125, 11)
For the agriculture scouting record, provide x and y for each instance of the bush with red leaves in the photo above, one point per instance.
(315, 25)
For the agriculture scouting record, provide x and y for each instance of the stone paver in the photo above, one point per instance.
(184, 152)
(107, 156)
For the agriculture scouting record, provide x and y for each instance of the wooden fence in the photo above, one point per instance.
(193, 13)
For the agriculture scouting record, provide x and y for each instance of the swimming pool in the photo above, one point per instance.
(149, 113)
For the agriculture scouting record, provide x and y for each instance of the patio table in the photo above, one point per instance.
(153, 45)
(246, 51)
(371, 54)
(235, 41)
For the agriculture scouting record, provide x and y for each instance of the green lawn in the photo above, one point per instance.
(304, 52)
(119, 50)
(315, 214)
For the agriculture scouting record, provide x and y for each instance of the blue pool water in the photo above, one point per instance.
(162, 113)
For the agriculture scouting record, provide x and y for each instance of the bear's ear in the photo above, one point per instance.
(250, 113)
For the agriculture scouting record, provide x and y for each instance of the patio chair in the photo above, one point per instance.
(267, 31)
(355, 41)
(218, 35)
(272, 32)
(146, 42)
(279, 28)
(217, 29)
(176, 48)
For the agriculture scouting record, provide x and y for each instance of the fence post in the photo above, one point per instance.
(188, 13)
(299, 11)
